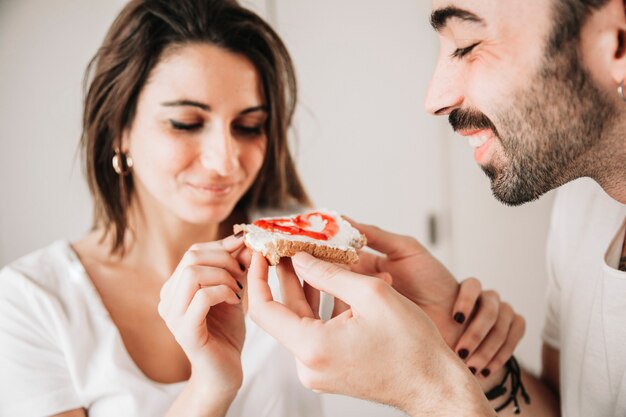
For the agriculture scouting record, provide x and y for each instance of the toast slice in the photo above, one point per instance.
(323, 234)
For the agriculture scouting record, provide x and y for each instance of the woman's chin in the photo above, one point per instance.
(206, 215)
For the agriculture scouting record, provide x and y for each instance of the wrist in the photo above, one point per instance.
(450, 390)
(214, 399)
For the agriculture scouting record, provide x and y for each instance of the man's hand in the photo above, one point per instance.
(383, 348)
(416, 274)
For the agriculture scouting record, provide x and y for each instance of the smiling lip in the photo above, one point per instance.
(213, 189)
(481, 141)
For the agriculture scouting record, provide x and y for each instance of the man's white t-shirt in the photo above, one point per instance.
(60, 350)
(586, 318)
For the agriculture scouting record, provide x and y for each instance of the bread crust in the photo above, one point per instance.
(281, 248)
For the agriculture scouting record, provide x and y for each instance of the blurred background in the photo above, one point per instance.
(364, 145)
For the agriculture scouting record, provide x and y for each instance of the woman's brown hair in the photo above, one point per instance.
(121, 67)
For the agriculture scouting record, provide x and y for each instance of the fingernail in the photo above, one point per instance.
(459, 318)
(472, 370)
(485, 372)
(240, 285)
(463, 353)
(238, 296)
(239, 234)
(243, 268)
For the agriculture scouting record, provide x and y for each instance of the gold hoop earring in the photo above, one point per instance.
(620, 90)
(122, 163)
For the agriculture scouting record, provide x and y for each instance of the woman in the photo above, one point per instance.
(184, 135)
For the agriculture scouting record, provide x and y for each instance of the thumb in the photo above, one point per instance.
(388, 243)
(330, 278)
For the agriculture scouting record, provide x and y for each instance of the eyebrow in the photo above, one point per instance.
(440, 17)
(207, 108)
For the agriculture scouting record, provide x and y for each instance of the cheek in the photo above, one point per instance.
(251, 157)
(155, 154)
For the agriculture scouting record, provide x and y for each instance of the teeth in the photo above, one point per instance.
(478, 140)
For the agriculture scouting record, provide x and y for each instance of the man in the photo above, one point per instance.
(537, 87)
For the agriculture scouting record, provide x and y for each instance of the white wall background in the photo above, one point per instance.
(363, 66)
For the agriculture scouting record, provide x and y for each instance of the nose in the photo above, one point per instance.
(220, 152)
(445, 90)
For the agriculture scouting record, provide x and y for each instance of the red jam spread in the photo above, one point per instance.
(299, 226)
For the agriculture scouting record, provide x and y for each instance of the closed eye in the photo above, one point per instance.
(462, 52)
(250, 131)
(185, 126)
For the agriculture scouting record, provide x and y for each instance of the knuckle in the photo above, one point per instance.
(193, 256)
(375, 289)
(475, 338)
(506, 309)
(190, 273)
(314, 356)
(492, 295)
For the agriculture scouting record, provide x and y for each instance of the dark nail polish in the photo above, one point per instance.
(463, 353)
(239, 234)
(459, 318)
(238, 296)
(240, 285)
(472, 370)
(485, 372)
(243, 268)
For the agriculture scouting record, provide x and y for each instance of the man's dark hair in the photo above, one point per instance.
(569, 17)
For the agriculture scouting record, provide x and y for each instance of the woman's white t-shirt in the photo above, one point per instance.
(60, 350)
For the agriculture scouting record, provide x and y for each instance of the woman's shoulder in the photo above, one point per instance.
(46, 269)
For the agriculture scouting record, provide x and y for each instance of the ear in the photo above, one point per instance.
(603, 43)
(617, 64)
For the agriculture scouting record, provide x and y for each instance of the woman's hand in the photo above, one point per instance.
(202, 306)
(493, 332)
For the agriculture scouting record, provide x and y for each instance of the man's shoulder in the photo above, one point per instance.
(583, 200)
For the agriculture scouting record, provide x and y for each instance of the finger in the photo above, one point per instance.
(341, 283)
(469, 292)
(204, 299)
(339, 307)
(293, 294)
(244, 257)
(518, 327)
(313, 298)
(480, 325)
(233, 243)
(276, 319)
(216, 257)
(369, 263)
(494, 341)
(194, 278)
(385, 276)
(391, 244)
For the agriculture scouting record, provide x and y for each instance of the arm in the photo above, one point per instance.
(201, 304)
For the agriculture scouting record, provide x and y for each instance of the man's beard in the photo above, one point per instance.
(548, 133)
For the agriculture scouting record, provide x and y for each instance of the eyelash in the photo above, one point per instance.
(462, 52)
(185, 127)
(250, 131)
